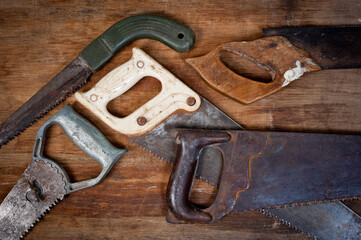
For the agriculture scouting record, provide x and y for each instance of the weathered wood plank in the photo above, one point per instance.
(38, 38)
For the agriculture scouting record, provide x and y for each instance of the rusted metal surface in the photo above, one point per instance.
(17, 214)
(45, 182)
(333, 225)
(267, 169)
(91, 59)
(331, 46)
(70, 79)
(160, 140)
(283, 61)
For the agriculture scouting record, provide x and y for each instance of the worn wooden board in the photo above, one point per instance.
(38, 38)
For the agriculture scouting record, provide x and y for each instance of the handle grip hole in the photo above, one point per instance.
(245, 67)
(143, 91)
(77, 164)
(203, 194)
(180, 35)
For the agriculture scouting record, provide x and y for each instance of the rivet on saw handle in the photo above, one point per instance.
(174, 95)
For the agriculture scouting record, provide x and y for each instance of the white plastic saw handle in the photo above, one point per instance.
(174, 95)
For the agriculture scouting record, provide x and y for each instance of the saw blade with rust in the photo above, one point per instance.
(334, 225)
(161, 143)
(40, 187)
(69, 80)
(333, 47)
(91, 59)
(286, 54)
(270, 170)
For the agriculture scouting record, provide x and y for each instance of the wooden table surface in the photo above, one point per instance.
(39, 38)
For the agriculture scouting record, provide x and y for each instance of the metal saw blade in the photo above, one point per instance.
(161, 143)
(311, 219)
(333, 47)
(40, 187)
(70, 79)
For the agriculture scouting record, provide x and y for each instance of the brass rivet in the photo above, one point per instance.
(191, 101)
(140, 64)
(141, 121)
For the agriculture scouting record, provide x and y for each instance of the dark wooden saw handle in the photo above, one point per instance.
(283, 61)
(189, 145)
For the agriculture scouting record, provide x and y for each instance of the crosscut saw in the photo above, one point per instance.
(285, 53)
(265, 169)
(92, 58)
(177, 106)
(45, 182)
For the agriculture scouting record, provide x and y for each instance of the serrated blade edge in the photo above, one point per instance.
(69, 80)
(17, 214)
(161, 144)
(312, 220)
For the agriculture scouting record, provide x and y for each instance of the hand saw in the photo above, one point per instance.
(265, 169)
(177, 106)
(45, 182)
(286, 54)
(92, 58)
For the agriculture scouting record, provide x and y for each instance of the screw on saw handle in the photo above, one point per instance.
(87, 137)
(175, 35)
(190, 143)
(174, 95)
(276, 55)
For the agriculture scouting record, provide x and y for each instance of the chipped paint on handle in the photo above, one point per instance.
(174, 95)
(294, 73)
(276, 55)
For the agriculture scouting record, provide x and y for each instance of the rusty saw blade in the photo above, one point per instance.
(45, 182)
(150, 126)
(272, 169)
(333, 47)
(91, 59)
(40, 187)
(285, 53)
(330, 219)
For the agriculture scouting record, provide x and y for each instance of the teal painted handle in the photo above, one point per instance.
(87, 137)
(175, 35)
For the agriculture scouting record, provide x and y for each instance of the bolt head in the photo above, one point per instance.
(191, 101)
(141, 121)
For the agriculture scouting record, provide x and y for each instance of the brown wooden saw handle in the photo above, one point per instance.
(276, 55)
(189, 145)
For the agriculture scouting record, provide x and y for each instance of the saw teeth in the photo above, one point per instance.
(38, 219)
(143, 149)
(284, 222)
(206, 181)
(72, 91)
(162, 159)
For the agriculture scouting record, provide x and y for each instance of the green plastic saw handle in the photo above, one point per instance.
(175, 35)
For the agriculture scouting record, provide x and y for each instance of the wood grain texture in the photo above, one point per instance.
(275, 54)
(38, 38)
